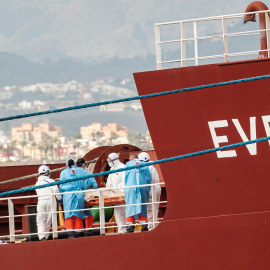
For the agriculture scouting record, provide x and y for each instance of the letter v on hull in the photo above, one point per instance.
(252, 148)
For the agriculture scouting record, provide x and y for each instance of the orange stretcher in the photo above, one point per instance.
(113, 200)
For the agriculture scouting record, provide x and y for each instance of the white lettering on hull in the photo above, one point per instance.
(220, 139)
(252, 148)
(266, 121)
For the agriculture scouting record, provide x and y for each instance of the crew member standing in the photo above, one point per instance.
(88, 215)
(74, 201)
(137, 195)
(143, 156)
(44, 206)
(117, 180)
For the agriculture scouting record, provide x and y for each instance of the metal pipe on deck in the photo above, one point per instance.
(259, 6)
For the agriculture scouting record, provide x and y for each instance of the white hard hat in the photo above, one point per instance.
(43, 169)
(113, 156)
(143, 156)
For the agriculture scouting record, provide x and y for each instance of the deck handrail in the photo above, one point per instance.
(101, 207)
(183, 40)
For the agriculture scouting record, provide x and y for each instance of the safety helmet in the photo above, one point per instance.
(43, 169)
(113, 156)
(143, 156)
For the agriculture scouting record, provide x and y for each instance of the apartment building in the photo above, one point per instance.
(108, 131)
(30, 133)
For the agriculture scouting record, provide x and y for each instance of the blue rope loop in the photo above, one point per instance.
(20, 116)
(7, 193)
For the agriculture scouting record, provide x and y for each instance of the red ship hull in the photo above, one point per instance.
(218, 213)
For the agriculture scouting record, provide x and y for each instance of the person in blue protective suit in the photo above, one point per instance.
(74, 201)
(137, 195)
(143, 156)
(88, 215)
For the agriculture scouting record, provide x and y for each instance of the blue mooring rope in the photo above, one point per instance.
(129, 99)
(137, 166)
(135, 98)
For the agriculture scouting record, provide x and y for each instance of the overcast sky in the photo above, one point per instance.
(95, 29)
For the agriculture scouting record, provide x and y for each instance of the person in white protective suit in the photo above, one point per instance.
(117, 180)
(44, 206)
(143, 156)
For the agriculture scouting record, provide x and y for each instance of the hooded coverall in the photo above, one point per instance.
(75, 201)
(155, 180)
(44, 206)
(88, 215)
(118, 180)
(137, 195)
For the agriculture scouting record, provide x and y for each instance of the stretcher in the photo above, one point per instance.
(111, 200)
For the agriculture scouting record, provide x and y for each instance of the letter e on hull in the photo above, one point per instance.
(220, 139)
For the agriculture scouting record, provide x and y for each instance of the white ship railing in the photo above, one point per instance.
(54, 227)
(186, 49)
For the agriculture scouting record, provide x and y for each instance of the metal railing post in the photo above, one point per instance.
(195, 31)
(267, 22)
(54, 217)
(158, 47)
(154, 209)
(183, 45)
(101, 213)
(11, 221)
(225, 39)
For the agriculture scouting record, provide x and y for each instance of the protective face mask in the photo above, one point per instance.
(48, 174)
(110, 164)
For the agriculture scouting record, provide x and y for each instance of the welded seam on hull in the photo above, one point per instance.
(217, 216)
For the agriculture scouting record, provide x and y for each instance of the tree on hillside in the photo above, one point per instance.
(76, 144)
(97, 136)
(23, 144)
(54, 142)
(45, 145)
(58, 148)
(13, 145)
(112, 139)
(139, 139)
(33, 150)
(40, 148)
(77, 136)
(136, 138)
(1, 149)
